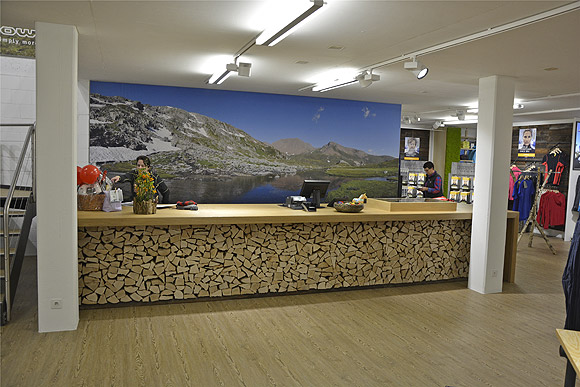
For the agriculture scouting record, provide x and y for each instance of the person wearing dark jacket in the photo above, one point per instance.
(577, 196)
(571, 285)
(433, 182)
(160, 186)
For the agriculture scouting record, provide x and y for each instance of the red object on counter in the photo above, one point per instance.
(90, 174)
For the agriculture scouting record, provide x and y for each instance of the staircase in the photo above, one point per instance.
(18, 204)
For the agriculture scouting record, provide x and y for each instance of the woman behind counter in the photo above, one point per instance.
(144, 162)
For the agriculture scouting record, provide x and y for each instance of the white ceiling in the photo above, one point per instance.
(172, 42)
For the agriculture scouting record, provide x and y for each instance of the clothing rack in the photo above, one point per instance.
(534, 213)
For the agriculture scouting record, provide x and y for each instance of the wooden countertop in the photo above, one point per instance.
(375, 210)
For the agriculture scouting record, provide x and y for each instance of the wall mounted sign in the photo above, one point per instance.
(412, 145)
(527, 143)
(17, 41)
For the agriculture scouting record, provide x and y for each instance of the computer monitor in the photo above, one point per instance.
(315, 189)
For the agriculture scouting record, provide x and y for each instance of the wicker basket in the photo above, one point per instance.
(92, 202)
(348, 207)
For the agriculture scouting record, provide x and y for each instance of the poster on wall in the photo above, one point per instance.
(527, 143)
(17, 41)
(216, 146)
(412, 148)
(576, 161)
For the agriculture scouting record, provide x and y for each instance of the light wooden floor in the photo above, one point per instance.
(421, 335)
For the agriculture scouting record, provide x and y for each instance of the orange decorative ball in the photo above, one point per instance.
(90, 174)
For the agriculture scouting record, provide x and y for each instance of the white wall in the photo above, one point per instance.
(17, 106)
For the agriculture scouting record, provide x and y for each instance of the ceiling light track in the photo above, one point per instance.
(266, 37)
(364, 79)
(552, 97)
(272, 36)
(549, 111)
(464, 39)
(328, 87)
(480, 35)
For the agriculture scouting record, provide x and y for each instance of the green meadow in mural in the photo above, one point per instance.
(217, 146)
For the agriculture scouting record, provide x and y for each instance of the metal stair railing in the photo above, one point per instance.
(28, 141)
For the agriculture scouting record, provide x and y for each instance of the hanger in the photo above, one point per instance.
(530, 167)
(555, 149)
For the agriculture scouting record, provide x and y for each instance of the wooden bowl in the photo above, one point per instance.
(348, 207)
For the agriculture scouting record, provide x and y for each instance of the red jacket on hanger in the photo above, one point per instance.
(552, 209)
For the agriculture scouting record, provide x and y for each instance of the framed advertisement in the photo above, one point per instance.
(527, 143)
(412, 148)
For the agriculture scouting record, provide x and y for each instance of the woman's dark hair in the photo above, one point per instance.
(145, 159)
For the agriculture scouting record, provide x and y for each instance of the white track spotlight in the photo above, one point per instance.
(365, 79)
(243, 69)
(438, 124)
(417, 68)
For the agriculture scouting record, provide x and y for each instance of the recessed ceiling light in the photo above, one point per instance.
(302, 62)
(336, 47)
(551, 69)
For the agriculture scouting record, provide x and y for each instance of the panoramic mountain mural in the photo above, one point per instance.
(216, 146)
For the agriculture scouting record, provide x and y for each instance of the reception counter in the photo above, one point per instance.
(244, 249)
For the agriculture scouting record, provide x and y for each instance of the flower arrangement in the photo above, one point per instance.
(144, 186)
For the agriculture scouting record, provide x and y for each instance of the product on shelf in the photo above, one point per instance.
(412, 178)
(455, 182)
(421, 179)
(466, 183)
(466, 197)
(454, 195)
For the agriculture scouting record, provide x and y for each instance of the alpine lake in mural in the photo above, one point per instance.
(209, 160)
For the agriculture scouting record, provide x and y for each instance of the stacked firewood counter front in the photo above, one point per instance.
(231, 250)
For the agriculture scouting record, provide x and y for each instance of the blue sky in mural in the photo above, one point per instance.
(368, 126)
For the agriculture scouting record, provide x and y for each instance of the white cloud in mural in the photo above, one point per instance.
(367, 113)
(317, 115)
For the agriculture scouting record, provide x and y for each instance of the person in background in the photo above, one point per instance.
(144, 162)
(433, 182)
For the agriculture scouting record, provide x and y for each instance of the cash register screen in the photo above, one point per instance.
(315, 189)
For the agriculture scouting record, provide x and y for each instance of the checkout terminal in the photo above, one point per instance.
(311, 189)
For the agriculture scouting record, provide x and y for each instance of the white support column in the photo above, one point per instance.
(56, 152)
(494, 133)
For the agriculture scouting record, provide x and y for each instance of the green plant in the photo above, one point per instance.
(144, 186)
(452, 151)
